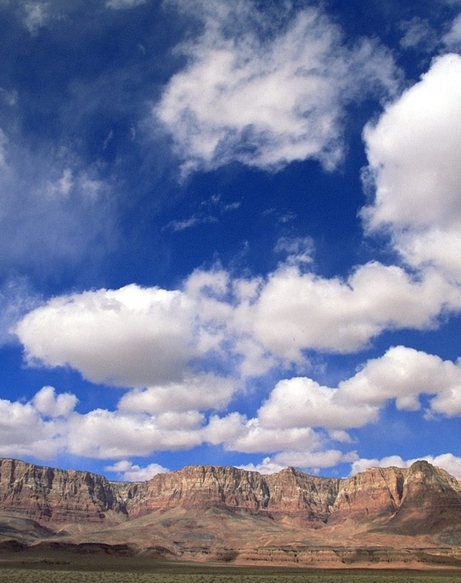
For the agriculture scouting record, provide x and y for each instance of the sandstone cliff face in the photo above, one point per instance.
(287, 493)
(430, 495)
(293, 492)
(48, 494)
(418, 500)
(369, 496)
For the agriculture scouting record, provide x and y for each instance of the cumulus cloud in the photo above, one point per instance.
(267, 466)
(414, 172)
(237, 433)
(301, 402)
(132, 336)
(106, 434)
(308, 461)
(315, 460)
(36, 428)
(204, 391)
(402, 375)
(294, 426)
(130, 472)
(270, 98)
(297, 311)
(142, 337)
(47, 403)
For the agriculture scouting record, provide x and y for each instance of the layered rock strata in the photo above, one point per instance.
(418, 500)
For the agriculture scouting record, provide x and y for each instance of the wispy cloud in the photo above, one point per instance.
(268, 102)
(123, 4)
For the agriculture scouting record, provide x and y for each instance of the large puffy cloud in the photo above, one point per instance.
(413, 154)
(300, 402)
(267, 98)
(132, 336)
(402, 375)
(106, 434)
(296, 425)
(48, 404)
(36, 428)
(202, 391)
(296, 311)
(149, 336)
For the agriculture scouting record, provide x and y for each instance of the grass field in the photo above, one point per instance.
(59, 574)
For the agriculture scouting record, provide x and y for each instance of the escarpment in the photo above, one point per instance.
(44, 493)
(419, 500)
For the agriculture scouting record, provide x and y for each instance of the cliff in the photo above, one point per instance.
(210, 511)
(46, 494)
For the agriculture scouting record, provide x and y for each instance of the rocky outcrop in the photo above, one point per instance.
(430, 502)
(419, 500)
(289, 492)
(373, 495)
(49, 494)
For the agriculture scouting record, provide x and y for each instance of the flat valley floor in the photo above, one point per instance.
(107, 569)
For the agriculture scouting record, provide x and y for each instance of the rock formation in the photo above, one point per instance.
(227, 512)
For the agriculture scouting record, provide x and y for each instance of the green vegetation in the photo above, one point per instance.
(57, 574)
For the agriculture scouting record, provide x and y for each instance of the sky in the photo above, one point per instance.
(230, 234)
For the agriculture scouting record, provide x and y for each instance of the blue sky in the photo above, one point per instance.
(230, 234)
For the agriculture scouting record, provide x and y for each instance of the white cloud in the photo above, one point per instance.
(123, 4)
(132, 336)
(205, 391)
(299, 250)
(403, 374)
(414, 153)
(47, 403)
(144, 337)
(106, 434)
(295, 426)
(130, 472)
(37, 428)
(238, 433)
(267, 466)
(446, 461)
(267, 102)
(308, 461)
(295, 311)
(301, 402)
(314, 460)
